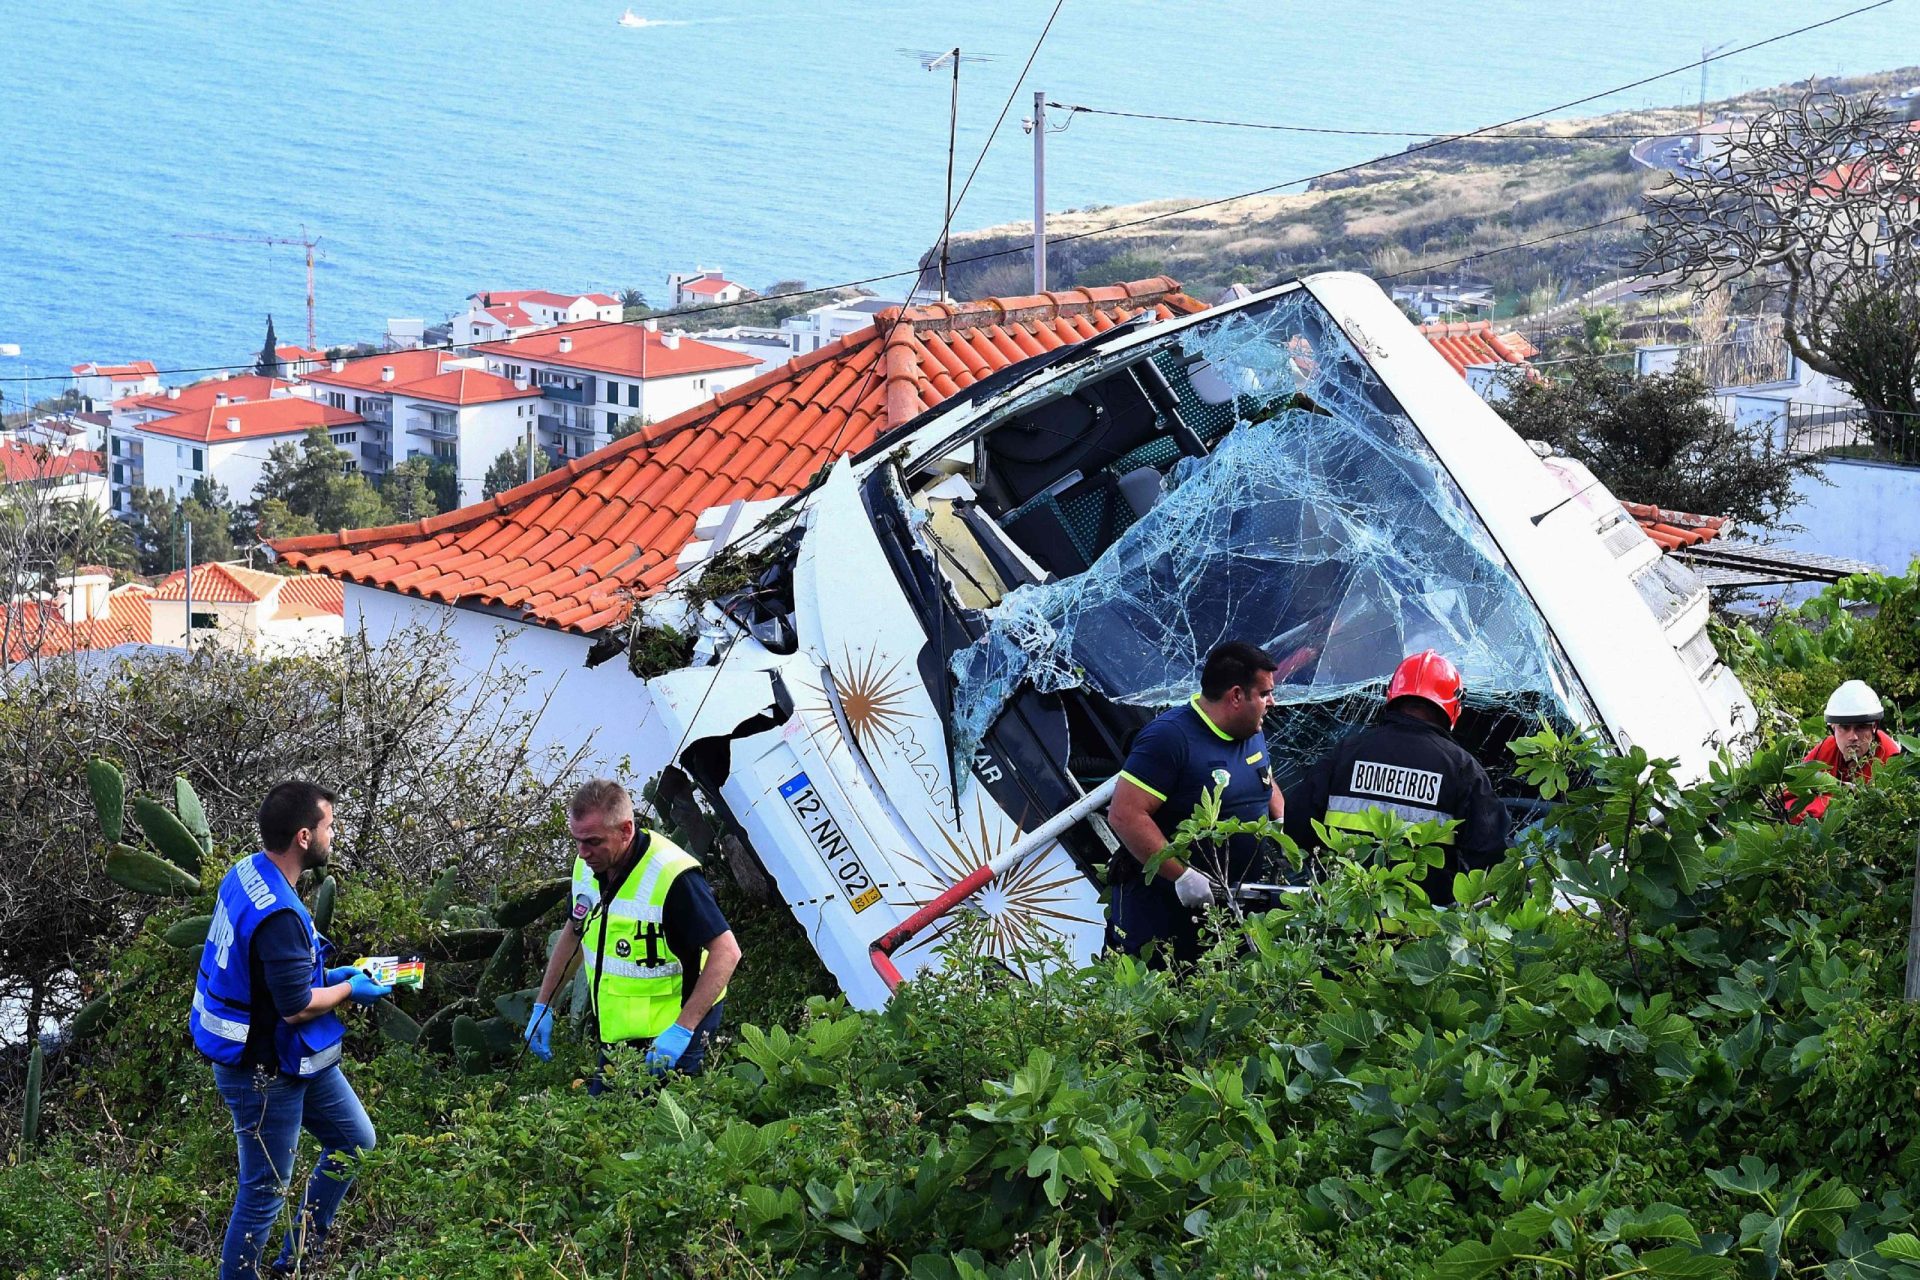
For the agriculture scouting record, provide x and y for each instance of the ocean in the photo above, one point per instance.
(437, 149)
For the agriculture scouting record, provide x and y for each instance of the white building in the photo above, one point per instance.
(505, 313)
(429, 404)
(220, 430)
(231, 607)
(768, 347)
(235, 607)
(75, 475)
(593, 377)
(102, 384)
(701, 287)
(813, 329)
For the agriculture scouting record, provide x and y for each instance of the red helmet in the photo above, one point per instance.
(1428, 675)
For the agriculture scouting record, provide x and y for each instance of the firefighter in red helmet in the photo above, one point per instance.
(1407, 764)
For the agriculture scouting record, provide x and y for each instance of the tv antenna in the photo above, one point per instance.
(935, 60)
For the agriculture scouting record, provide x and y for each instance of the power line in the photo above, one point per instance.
(1360, 133)
(1153, 217)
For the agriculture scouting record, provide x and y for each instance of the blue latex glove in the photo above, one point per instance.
(539, 1033)
(339, 974)
(664, 1053)
(365, 989)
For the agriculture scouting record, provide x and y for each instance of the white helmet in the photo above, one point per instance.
(1855, 702)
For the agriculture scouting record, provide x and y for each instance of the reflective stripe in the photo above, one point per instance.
(1344, 813)
(1157, 795)
(320, 1061)
(225, 1028)
(614, 967)
(629, 909)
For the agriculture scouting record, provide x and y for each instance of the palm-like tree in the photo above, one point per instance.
(86, 534)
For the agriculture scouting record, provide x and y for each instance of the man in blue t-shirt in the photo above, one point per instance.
(1213, 742)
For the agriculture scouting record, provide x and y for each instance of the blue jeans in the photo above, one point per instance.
(691, 1063)
(269, 1110)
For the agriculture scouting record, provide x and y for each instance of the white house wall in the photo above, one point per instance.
(605, 709)
(1859, 510)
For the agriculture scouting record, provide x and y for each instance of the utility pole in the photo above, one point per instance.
(181, 510)
(1039, 191)
(953, 123)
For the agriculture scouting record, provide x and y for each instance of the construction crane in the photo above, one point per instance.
(305, 241)
(1700, 120)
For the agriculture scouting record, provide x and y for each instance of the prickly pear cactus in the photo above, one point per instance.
(109, 791)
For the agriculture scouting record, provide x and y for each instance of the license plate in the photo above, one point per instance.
(834, 848)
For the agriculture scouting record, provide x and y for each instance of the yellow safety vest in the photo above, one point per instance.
(633, 979)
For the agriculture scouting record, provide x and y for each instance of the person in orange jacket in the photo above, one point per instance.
(1855, 742)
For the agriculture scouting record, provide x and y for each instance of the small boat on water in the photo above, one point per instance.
(632, 19)
(9, 348)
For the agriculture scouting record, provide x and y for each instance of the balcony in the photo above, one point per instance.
(434, 426)
(565, 426)
(582, 394)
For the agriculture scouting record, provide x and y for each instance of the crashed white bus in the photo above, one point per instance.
(1022, 577)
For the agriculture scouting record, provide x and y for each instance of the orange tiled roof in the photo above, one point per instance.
(1471, 342)
(217, 582)
(576, 547)
(311, 593)
(467, 386)
(707, 285)
(39, 628)
(250, 420)
(21, 462)
(1675, 529)
(364, 373)
(135, 369)
(423, 374)
(201, 395)
(629, 350)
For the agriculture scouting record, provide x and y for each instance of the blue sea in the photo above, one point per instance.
(441, 148)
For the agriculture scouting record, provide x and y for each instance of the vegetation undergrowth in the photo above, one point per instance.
(1664, 1037)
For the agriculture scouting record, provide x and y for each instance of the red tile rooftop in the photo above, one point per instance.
(624, 350)
(1675, 529)
(24, 462)
(251, 420)
(203, 394)
(1473, 342)
(134, 369)
(40, 629)
(574, 549)
(218, 582)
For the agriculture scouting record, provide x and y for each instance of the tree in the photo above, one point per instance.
(1599, 330)
(408, 490)
(1662, 440)
(510, 469)
(628, 425)
(315, 480)
(268, 363)
(91, 536)
(443, 477)
(1818, 204)
(301, 475)
(273, 520)
(160, 521)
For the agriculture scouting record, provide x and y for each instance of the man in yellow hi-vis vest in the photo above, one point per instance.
(658, 953)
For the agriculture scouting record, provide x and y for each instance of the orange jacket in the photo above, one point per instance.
(1828, 754)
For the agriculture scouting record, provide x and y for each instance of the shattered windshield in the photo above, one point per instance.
(1312, 519)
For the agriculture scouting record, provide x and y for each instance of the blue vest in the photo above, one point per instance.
(223, 994)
